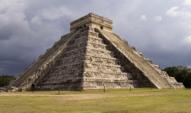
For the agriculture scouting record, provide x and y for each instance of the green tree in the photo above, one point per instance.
(5, 80)
(181, 74)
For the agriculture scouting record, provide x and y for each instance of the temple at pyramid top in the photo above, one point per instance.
(91, 56)
(92, 20)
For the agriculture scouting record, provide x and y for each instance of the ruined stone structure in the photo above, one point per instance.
(91, 56)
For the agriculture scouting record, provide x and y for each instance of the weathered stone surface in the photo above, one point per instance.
(91, 56)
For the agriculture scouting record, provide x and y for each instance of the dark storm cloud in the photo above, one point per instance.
(160, 29)
(12, 66)
(168, 58)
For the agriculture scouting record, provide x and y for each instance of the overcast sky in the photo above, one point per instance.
(161, 29)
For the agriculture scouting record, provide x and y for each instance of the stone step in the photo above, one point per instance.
(60, 81)
(96, 45)
(100, 65)
(103, 68)
(72, 64)
(100, 54)
(106, 80)
(102, 61)
(73, 46)
(75, 50)
(93, 38)
(171, 79)
(178, 85)
(96, 50)
(95, 41)
(88, 71)
(89, 33)
(97, 56)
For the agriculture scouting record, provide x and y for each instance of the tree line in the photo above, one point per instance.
(181, 74)
(5, 80)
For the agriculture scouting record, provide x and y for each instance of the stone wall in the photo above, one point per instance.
(102, 68)
(67, 72)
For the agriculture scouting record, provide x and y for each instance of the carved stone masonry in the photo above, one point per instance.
(91, 56)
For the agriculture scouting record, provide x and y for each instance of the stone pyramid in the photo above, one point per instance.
(91, 56)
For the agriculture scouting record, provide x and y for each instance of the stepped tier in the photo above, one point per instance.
(91, 56)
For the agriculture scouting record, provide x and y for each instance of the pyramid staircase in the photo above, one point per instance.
(42, 66)
(158, 77)
(91, 56)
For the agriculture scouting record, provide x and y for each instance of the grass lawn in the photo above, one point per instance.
(96, 101)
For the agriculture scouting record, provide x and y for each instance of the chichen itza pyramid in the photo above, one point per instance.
(91, 56)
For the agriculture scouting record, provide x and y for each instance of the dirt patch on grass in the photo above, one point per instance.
(64, 96)
(80, 96)
(85, 96)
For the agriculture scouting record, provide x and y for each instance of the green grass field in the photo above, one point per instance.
(96, 101)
